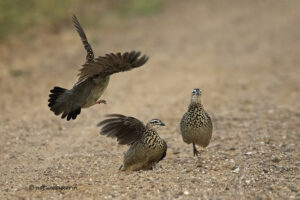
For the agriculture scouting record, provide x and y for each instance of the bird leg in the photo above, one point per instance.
(121, 168)
(100, 101)
(195, 151)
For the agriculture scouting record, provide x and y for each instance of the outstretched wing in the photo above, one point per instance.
(87, 46)
(125, 129)
(112, 63)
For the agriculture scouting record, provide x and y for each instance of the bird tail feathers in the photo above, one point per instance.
(58, 104)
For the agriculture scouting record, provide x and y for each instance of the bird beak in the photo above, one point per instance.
(162, 124)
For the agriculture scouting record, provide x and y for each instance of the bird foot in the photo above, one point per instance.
(195, 151)
(100, 101)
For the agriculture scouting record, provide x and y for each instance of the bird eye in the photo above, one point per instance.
(155, 121)
(196, 91)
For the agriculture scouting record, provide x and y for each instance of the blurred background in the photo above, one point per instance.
(51, 16)
(244, 55)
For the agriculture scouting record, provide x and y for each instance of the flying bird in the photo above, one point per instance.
(146, 147)
(196, 125)
(93, 79)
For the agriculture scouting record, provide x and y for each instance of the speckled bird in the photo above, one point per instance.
(146, 146)
(93, 79)
(196, 125)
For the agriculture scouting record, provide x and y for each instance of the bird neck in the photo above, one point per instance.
(151, 127)
(195, 106)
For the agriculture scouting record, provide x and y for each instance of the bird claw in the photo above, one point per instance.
(100, 101)
(195, 151)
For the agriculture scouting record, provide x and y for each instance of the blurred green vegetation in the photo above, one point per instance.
(18, 16)
(137, 7)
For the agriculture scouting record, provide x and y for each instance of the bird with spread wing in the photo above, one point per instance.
(93, 79)
(146, 146)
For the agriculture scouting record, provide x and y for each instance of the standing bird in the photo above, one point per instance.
(93, 79)
(146, 147)
(196, 125)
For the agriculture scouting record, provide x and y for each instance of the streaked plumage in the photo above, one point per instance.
(93, 79)
(196, 125)
(146, 147)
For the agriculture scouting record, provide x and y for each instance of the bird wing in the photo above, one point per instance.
(87, 46)
(125, 129)
(112, 63)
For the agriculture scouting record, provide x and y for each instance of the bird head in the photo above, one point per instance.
(155, 123)
(196, 95)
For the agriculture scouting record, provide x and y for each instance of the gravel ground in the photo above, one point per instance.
(244, 55)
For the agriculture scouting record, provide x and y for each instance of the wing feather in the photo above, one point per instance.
(81, 33)
(112, 63)
(125, 129)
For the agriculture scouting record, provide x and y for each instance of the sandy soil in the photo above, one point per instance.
(244, 55)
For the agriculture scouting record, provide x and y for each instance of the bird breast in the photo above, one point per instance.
(100, 86)
(153, 141)
(196, 127)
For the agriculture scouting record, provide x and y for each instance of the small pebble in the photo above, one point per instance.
(275, 159)
(236, 170)
(199, 165)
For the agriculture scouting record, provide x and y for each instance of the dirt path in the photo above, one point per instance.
(244, 55)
